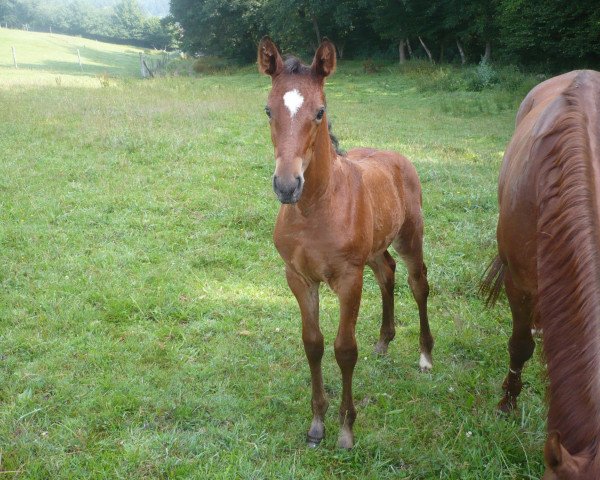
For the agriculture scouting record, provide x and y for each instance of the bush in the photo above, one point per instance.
(104, 79)
(211, 65)
(369, 66)
(450, 78)
(468, 104)
(485, 76)
(443, 79)
(512, 79)
(417, 69)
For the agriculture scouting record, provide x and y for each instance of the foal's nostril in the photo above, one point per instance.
(290, 191)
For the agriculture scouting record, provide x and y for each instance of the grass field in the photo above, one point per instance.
(44, 58)
(146, 328)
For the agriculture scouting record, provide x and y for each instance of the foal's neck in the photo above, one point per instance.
(318, 175)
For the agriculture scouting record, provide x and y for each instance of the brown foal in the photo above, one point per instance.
(549, 261)
(338, 214)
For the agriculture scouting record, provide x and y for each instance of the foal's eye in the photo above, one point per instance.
(320, 114)
(268, 112)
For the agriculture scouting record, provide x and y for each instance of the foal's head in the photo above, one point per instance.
(296, 109)
(561, 465)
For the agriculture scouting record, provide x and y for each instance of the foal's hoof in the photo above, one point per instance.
(425, 363)
(312, 442)
(381, 348)
(346, 439)
(315, 434)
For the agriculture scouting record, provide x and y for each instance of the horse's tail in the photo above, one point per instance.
(492, 280)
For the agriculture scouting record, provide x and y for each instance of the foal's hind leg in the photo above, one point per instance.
(384, 267)
(409, 244)
(520, 345)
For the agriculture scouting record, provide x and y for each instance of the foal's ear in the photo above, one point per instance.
(553, 451)
(559, 460)
(269, 59)
(323, 64)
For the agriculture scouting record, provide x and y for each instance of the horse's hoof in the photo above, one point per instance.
(345, 440)
(506, 405)
(425, 364)
(381, 348)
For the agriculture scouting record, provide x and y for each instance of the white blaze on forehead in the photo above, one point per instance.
(293, 100)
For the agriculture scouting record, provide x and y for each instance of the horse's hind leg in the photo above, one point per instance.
(409, 244)
(384, 267)
(520, 345)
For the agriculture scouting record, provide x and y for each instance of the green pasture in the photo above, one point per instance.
(44, 58)
(146, 328)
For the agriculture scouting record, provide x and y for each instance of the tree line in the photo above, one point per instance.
(553, 34)
(123, 22)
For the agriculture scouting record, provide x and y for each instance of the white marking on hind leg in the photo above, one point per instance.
(293, 100)
(424, 363)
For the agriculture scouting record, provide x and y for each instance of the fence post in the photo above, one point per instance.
(142, 66)
(14, 52)
(79, 58)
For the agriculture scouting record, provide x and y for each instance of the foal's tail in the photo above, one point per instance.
(492, 280)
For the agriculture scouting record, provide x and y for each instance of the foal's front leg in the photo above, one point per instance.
(349, 290)
(307, 294)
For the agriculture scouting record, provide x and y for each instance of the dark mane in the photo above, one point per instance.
(293, 66)
(334, 141)
(568, 272)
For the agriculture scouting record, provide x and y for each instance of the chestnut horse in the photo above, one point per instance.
(338, 214)
(549, 259)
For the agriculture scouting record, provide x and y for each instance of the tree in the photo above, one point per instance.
(74, 18)
(128, 20)
(159, 33)
(474, 23)
(230, 29)
(338, 20)
(17, 13)
(399, 20)
(559, 33)
(483, 19)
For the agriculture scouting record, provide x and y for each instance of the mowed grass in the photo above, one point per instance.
(146, 328)
(44, 58)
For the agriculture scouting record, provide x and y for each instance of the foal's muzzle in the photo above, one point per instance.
(288, 191)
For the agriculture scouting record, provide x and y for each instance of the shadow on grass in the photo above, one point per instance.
(94, 62)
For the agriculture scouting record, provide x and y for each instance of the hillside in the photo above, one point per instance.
(42, 55)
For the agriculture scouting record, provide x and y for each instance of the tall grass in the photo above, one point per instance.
(146, 329)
